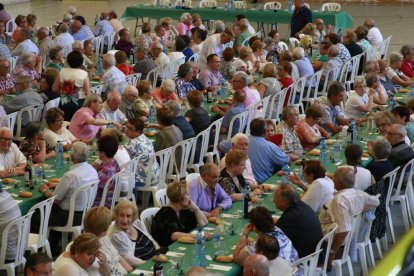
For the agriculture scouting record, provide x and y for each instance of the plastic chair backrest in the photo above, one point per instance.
(97, 89)
(389, 179)
(153, 76)
(283, 45)
(272, 6)
(147, 216)
(331, 7)
(97, 41)
(50, 104)
(408, 166)
(355, 220)
(203, 137)
(44, 207)
(13, 63)
(163, 3)
(328, 238)
(239, 4)
(241, 118)
(133, 79)
(208, 3)
(195, 57)
(107, 39)
(214, 131)
(179, 171)
(10, 121)
(131, 169)
(293, 42)
(34, 113)
(308, 263)
(161, 197)
(162, 157)
(114, 181)
(330, 74)
(10, 26)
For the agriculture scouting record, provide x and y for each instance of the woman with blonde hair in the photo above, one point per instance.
(268, 85)
(383, 76)
(244, 63)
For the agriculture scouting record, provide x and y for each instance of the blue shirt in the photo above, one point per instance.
(229, 115)
(305, 69)
(84, 33)
(188, 52)
(103, 27)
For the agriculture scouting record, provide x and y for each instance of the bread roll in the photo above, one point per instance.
(212, 219)
(224, 259)
(54, 180)
(162, 258)
(25, 194)
(315, 152)
(186, 240)
(9, 180)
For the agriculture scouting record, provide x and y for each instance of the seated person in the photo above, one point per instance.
(236, 108)
(38, 263)
(226, 66)
(197, 116)
(56, 58)
(373, 82)
(165, 93)
(178, 218)
(256, 264)
(380, 150)
(202, 188)
(168, 135)
(402, 116)
(180, 121)
(360, 102)
(12, 161)
(145, 98)
(363, 177)
(121, 63)
(183, 81)
(34, 144)
(269, 85)
(244, 63)
(55, 131)
(268, 246)
(110, 108)
(46, 82)
(130, 236)
(124, 43)
(232, 180)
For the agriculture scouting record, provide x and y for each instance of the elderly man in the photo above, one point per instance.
(27, 96)
(333, 62)
(287, 55)
(159, 57)
(127, 101)
(143, 64)
(235, 109)
(84, 32)
(243, 35)
(303, 64)
(346, 203)
(207, 194)
(103, 26)
(12, 160)
(38, 264)
(239, 17)
(241, 141)
(77, 32)
(320, 27)
(6, 82)
(374, 34)
(268, 246)
(25, 44)
(297, 218)
(110, 108)
(165, 93)
(64, 39)
(30, 66)
(113, 79)
(408, 62)
(401, 153)
(333, 118)
(210, 76)
(290, 142)
(124, 43)
(215, 44)
(45, 43)
(302, 15)
(256, 265)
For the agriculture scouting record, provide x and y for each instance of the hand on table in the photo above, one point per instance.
(295, 179)
(215, 212)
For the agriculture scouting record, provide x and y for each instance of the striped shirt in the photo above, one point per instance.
(113, 80)
(44, 46)
(4, 51)
(103, 27)
(9, 211)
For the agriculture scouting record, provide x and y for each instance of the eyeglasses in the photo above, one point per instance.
(130, 128)
(6, 139)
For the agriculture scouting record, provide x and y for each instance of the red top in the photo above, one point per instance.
(126, 69)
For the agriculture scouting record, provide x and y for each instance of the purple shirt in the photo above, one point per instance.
(209, 78)
(200, 195)
(78, 126)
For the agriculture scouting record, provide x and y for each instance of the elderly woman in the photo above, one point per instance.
(184, 26)
(308, 130)
(402, 117)
(373, 82)
(261, 222)
(178, 218)
(394, 73)
(380, 150)
(258, 48)
(144, 39)
(30, 66)
(145, 100)
(169, 134)
(4, 38)
(269, 85)
(165, 93)
(344, 54)
(80, 257)
(130, 236)
(85, 125)
(363, 177)
(232, 180)
(88, 55)
(198, 36)
(218, 27)
(303, 64)
(359, 103)
(107, 148)
(385, 80)
(179, 120)
(361, 37)
(183, 81)
(56, 58)
(197, 116)
(383, 120)
(55, 130)
(21, 22)
(72, 84)
(349, 40)
(34, 144)
(227, 68)
(243, 62)
(321, 188)
(46, 82)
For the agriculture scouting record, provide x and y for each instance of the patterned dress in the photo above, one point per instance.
(106, 171)
(28, 147)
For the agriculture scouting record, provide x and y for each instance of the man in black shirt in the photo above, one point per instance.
(298, 221)
(301, 16)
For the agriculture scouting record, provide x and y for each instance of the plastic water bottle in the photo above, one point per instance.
(217, 237)
(391, 102)
(336, 151)
(152, 115)
(96, 19)
(354, 131)
(286, 174)
(320, 38)
(339, 33)
(351, 132)
(59, 155)
(324, 152)
(200, 248)
(290, 6)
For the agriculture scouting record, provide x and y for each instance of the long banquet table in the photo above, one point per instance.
(341, 19)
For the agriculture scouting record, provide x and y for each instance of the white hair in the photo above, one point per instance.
(184, 16)
(243, 76)
(27, 57)
(79, 152)
(109, 59)
(244, 22)
(218, 26)
(4, 130)
(131, 90)
(77, 44)
(298, 52)
(168, 85)
(235, 139)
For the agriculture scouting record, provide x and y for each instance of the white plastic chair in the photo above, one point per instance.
(107, 39)
(163, 3)
(272, 6)
(390, 179)
(239, 4)
(208, 3)
(67, 49)
(97, 89)
(114, 181)
(331, 74)
(308, 263)
(253, 111)
(241, 118)
(163, 158)
(97, 42)
(153, 76)
(161, 197)
(245, 42)
(191, 177)
(331, 7)
(10, 121)
(10, 26)
(179, 171)
(213, 155)
(170, 70)
(345, 258)
(133, 79)
(312, 90)
(276, 105)
(147, 216)
(50, 104)
(195, 57)
(40, 240)
(371, 53)
(187, 3)
(283, 45)
(13, 63)
(131, 169)
(293, 42)
(202, 140)
(296, 93)
(383, 47)
(34, 113)
(361, 246)
(89, 191)
(328, 238)
(22, 227)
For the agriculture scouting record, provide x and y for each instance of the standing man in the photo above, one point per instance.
(301, 16)
(214, 44)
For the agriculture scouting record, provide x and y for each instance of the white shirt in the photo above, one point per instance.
(319, 193)
(247, 173)
(197, 47)
(212, 45)
(374, 36)
(279, 267)
(75, 74)
(116, 24)
(113, 80)
(67, 267)
(363, 179)
(9, 211)
(65, 41)
(12, 158)
(162, 60)
(107, 114)
(353, 104)
(79, 175)
(65, 138)
(176, 55)
(251, 30)
(26, 46)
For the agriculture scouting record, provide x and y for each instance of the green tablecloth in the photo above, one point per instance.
(339, 19)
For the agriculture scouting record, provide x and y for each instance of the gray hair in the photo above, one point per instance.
(298, 53)
(174, 106)
(157, 45)
(112, 95)
(4, 130)
(168, 85)
(235, 139)
(371, 78)
(345, 175)
(218, 26)
(90, 99)
(27, 57)
(109, 59)
(184, 70)
(243, 77)
(395, 57)
(287, 110)
(43, 30)
(25, 32)
(359, 80)
(333, 51)
(244, 22)
(370, 65)
(77, 44)
(131, 90)
(67, 17)
(382, 149)
(184, 16)
(79, 152)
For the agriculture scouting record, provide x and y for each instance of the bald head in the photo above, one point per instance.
(344, 177)
(130, 91)
(396, 133)
(42, 32)
(256, 265)
(76, 26)
(369, 23)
